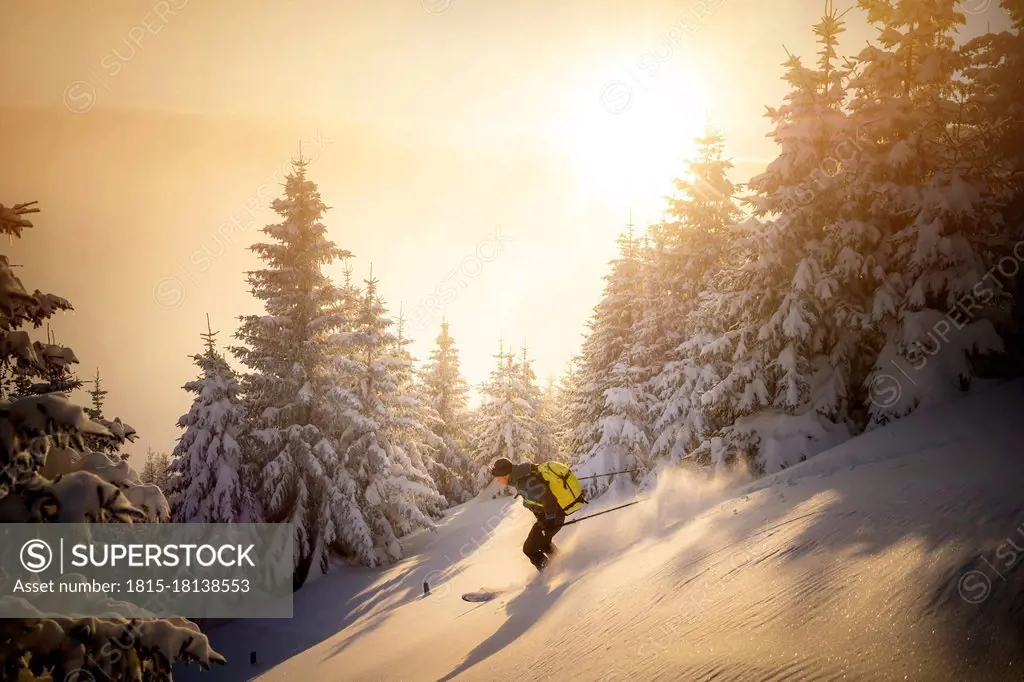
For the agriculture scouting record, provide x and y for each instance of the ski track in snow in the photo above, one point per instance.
(850, 566)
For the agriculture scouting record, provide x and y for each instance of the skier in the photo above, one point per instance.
(534, 484)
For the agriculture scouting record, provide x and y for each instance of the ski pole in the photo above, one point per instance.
(626, 471)
(621, 506)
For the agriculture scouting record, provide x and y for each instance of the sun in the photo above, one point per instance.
(628, 139)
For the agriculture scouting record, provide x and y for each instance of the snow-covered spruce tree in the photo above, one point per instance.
(689, 251)
(931, 215)
(993, 70)
(505, 423)
(608, 405)
(610, 333)
(548, 414)
(530, 392)
(995, 88)
(285, 390)
(204, 484)
(656, 330)
(487, 435)
(393, 499)
(417, 447)
(519, 410)
(625, 436)
(778, 331)
(48, 475)
(570, 389)
(448, 393)
(350, 296)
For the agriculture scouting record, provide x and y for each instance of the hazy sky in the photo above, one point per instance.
(145, 128)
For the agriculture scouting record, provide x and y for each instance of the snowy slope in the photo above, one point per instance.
(891, 556)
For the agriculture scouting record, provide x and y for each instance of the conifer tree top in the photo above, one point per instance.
(208, 337)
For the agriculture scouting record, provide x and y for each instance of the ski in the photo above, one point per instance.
(482, 595)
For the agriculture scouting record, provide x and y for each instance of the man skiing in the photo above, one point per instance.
(539, 498)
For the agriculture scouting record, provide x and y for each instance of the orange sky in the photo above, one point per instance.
(144, 127)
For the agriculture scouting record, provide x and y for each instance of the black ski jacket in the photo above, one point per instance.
(534, 489)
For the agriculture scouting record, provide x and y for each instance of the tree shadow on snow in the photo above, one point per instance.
(523, 612)
(432, 565)
(321, 610)
(373, 622)
(334, 602)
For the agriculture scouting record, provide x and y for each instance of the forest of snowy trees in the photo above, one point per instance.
(871, 269)
(330, 423)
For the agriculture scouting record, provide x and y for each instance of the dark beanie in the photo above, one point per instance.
(501, 467)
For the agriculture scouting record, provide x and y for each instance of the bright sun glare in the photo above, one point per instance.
(627, 156)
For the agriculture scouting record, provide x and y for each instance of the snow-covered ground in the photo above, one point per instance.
(896, 555)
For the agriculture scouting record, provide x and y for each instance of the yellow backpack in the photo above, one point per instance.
(564, 484)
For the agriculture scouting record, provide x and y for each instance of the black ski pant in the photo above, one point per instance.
(538, 542)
